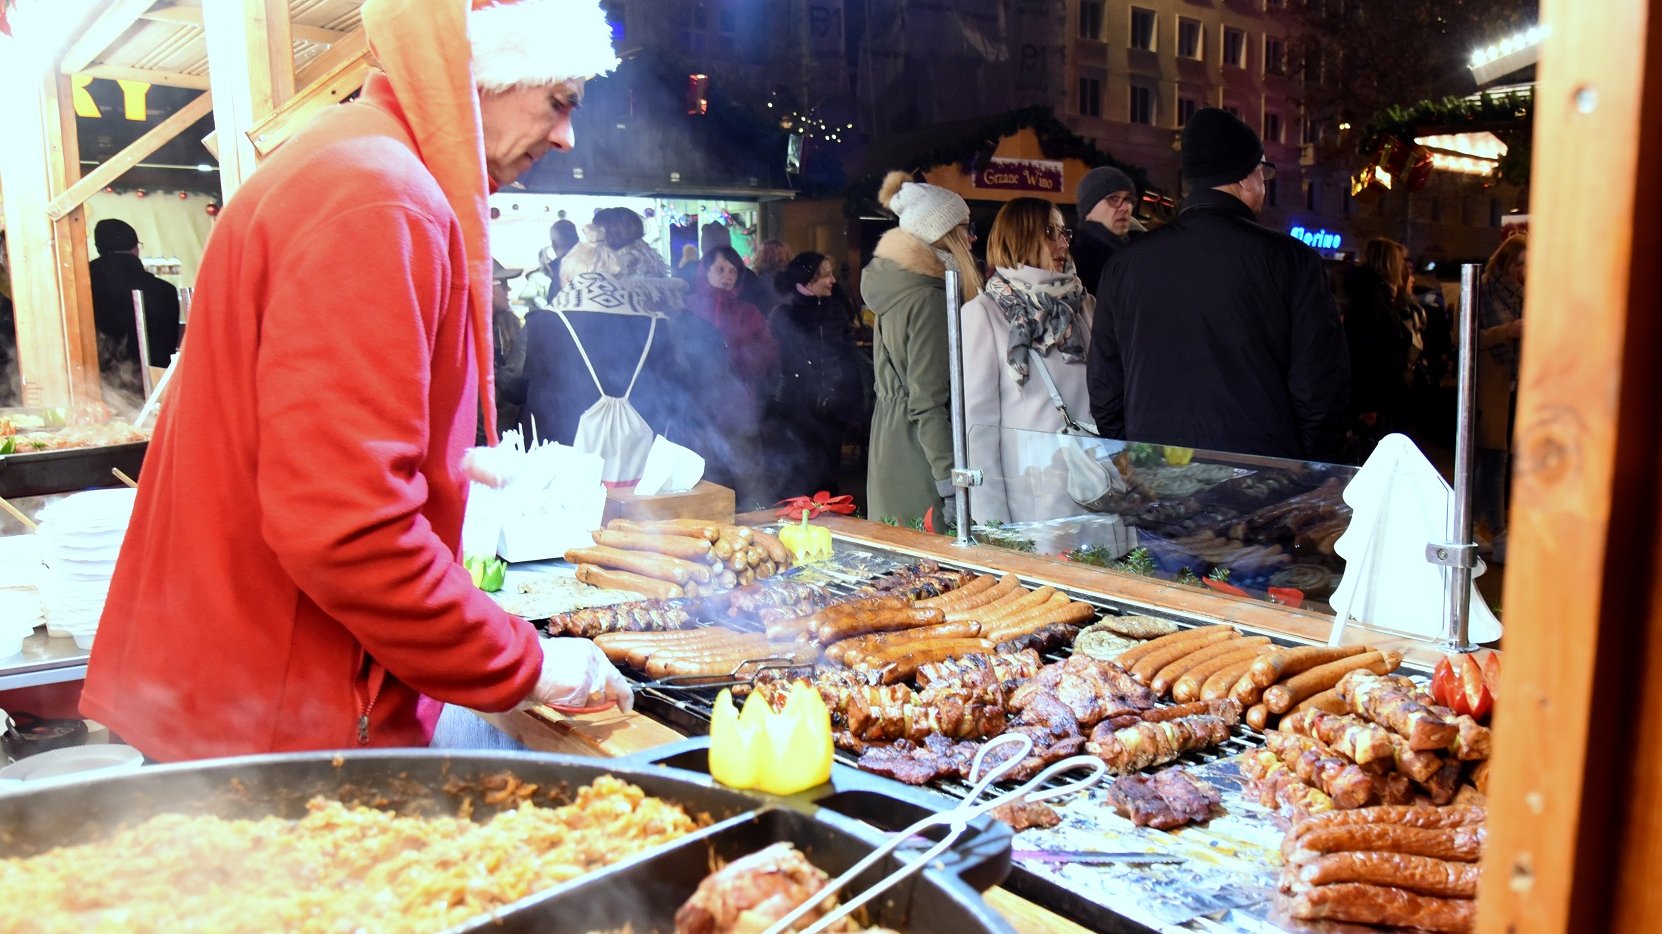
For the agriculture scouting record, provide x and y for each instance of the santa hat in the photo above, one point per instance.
(538, 42)
(434, 61)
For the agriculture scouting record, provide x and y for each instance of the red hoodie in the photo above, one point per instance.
(290, 577)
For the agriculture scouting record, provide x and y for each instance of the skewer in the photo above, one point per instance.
(119, 475)
(733, 679)
(18, 515)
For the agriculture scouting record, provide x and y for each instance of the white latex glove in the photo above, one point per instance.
(575, 673)
(494, 467)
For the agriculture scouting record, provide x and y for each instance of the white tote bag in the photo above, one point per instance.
(611, 427)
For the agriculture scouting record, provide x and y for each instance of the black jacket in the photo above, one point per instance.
(114, 278)
(817, 370)
(1093, 246)
(1213, 332)
(1378, 343)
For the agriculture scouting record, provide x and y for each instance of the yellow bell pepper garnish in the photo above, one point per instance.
(806, 542)
(779, 753)
(1177, 457)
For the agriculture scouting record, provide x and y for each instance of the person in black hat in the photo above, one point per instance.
(115, 275)
(1213, 332)
(1106, 198)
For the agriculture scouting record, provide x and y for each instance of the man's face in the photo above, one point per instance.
(522, 124)
(1114, 213)
(722, 275)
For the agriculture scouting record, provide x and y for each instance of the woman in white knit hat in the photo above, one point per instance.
(910, 463)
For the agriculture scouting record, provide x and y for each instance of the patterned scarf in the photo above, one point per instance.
(1041, 315)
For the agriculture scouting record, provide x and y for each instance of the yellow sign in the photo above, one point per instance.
(133, 95)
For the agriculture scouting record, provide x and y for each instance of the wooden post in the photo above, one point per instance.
(1576, 788)
(251, 73)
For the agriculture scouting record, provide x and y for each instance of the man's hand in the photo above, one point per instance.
(575, 673)
(494, 467)
(949, 503)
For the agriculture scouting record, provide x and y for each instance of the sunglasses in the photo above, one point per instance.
(1052, 232)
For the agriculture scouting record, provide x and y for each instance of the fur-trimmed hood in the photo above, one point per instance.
(910, 254)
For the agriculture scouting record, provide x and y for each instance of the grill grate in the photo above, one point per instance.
(691, 709)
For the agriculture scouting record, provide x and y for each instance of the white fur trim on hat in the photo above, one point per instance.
(538, 42)
(928, 212)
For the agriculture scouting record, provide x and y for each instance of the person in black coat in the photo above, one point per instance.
(1106, 199)
(818, 393)
(1378, 341)
(116, 274)
(1213, 332)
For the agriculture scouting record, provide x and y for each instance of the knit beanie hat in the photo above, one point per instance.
(1218, 149)
(928, 212)
(114, 236)
(1099, 183)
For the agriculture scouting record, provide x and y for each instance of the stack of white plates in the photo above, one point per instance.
(81, 536)
(20, 576)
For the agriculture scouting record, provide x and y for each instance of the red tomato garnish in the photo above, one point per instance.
(1491, 673)
(1443, 689)
(1473, 692)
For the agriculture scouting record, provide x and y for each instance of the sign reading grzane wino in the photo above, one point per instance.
(1020, 175)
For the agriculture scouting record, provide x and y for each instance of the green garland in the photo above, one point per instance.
(1510, 116)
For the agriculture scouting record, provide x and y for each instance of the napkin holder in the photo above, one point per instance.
(705, 500)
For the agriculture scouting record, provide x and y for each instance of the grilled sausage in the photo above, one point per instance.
(676, 546)
(1280, 698)
(957, 596)
(1287, 662)
(1065, 613)
(662, 567)
(1151, 665)
(848, 625)
(1327, 701)
(1257, 717)
(693, 527)
(1187, 687)
(1383, 905)
(904, 667)
(1459, 844)
(1022, 604)
(610, 579)
(1223, 679)
(1131, 656)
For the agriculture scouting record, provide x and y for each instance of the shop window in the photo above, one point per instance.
(1090, 20)
(1142, 29)
(1272, 128)
(1142, 104)
(1189, 35)
(1090, 97)
(1186, 107)
(1275, 55)
(1234, 47)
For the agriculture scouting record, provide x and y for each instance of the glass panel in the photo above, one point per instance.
(1249, 526)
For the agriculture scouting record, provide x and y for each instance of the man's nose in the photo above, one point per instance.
(562, 137)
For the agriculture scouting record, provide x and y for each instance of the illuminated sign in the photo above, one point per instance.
(1020, 175)
(133, 94)
(1319, 239)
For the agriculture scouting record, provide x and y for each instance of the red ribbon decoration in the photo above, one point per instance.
(798, 506)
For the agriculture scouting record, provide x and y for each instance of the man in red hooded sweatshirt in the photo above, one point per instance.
(291, 577)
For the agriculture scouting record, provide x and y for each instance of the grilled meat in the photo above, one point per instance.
(635, 616)
(1387, 702)
(1168, 798)
(1344, 782)
(1350, 736)
(1042, 639)
(1017, 667)
(754, 892)
(919, 763)
(950, 718)
(1021, 815)
(1278, 787)
(1137, 747)
(1093, 690)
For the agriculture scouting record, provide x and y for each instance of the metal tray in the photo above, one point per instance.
(39, 473)
(413, 782)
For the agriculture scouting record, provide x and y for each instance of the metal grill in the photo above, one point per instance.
(691, 709)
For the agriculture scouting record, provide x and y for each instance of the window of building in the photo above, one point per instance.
(1272, 128)
(1090, 97)
(1306, 130)
(1189, 38)
(1234, 46)
(1309, 196)
(1275, 55)
(1142, 29)
(1186, 107)
(1090, 20)
(1142, 104)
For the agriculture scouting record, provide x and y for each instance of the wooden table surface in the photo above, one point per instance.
(615, 734)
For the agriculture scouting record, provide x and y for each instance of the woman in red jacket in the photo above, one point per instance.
(755, 359)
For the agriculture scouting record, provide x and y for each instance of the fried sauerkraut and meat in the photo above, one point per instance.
(336, 869)
(755, 892)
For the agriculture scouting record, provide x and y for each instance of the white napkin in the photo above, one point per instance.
(670, 468)
(1401, 504)
(553, 498)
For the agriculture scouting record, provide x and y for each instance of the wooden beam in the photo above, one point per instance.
(251, 72)
(117, 165)
(329, 90)
(117, 18)
(352, 46)
(1575, 794)
(171, 79)
(69, 238)
(192, 16)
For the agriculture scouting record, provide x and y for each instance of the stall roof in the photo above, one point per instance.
(163, 41)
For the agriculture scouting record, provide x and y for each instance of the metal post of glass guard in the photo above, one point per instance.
(962, 476)
(1458, 555)
(143, 342)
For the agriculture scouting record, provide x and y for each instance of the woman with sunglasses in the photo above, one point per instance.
(1033, 315)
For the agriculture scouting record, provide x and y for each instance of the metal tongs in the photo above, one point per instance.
(956, 821)
(732, 679)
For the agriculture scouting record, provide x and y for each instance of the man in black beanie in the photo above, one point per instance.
(115, 275)
(1213, 332)
(1106, 198)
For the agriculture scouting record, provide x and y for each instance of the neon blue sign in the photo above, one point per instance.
(1319, 239)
